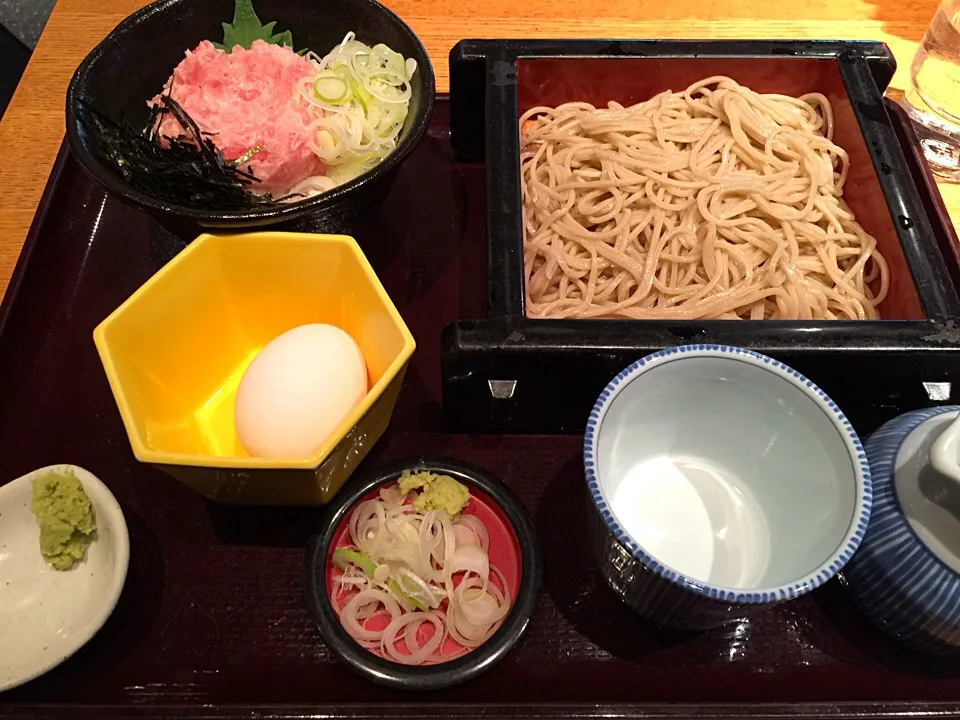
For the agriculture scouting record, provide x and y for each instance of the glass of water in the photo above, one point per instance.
(933, 98)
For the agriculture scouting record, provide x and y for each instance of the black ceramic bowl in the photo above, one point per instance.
(133, 62)
(513, 519)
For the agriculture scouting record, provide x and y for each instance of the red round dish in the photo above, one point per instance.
(504, 553)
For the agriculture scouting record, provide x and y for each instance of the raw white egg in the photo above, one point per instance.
(297, 390)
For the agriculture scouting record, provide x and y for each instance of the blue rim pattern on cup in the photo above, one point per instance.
(730, 595)
(897, 580)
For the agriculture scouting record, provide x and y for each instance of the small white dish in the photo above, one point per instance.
(725, 474)
(46, 615)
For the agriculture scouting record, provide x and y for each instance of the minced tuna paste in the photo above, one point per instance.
(245, 99)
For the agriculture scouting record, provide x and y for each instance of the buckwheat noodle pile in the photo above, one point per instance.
(711, 203)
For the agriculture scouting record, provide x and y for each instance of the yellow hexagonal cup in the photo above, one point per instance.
(175, 351)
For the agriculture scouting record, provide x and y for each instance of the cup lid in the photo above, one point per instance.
(927, 483)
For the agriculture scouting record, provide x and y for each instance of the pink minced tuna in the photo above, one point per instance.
(247, 98)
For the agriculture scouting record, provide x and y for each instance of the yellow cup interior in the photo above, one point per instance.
(176, 350)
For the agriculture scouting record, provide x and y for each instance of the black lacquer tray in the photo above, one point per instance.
(504, 372)
(212, 622)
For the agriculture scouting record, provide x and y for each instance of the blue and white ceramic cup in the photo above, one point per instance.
(723, 481)
(906, 575)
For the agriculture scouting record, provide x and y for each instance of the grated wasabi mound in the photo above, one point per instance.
(437, 492)
(65, 516)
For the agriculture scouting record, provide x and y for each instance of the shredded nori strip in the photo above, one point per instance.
(190, 171)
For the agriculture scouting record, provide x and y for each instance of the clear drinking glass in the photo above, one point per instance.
(933, 98)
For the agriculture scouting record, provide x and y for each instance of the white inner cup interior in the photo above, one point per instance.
(726, 472)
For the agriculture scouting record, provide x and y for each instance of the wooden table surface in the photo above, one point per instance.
(32, 128)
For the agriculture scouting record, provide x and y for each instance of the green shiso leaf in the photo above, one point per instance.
(247, 28)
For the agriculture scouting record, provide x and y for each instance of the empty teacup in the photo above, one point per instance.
(723, 480)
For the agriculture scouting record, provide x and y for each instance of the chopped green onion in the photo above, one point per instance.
(330, 88)
(411, 588)
(344, 556)
(361, 94)
(408, 602)
(359, 99)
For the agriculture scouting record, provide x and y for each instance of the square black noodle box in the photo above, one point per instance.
(508, 373)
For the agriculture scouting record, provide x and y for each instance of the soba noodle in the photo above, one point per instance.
(714, 202)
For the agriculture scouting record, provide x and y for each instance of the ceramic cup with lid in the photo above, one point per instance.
(906, 575)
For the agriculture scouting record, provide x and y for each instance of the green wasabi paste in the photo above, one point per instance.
(65, 516)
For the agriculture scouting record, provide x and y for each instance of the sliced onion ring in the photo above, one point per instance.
(388, 638)
(479, 529)
(350, 611)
